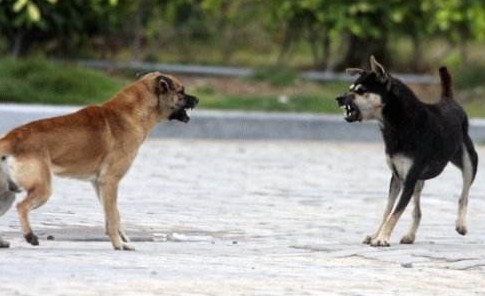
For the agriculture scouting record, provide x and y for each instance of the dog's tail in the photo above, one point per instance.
(446, 89)
(5, 152)
(7, 187)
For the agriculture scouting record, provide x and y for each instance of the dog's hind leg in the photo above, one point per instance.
(411, 234)
(467, 161)
(36, 197)
(34, 175)
(394, 189)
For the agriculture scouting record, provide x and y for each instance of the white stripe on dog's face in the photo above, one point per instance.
(369, 104)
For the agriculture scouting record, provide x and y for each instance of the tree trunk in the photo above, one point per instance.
(313, 39)
(288, 42)
(464, 51)
(18, 44)
(229, 30)
(138, 31)
(361, 48)
(325, 50)
(417, 61)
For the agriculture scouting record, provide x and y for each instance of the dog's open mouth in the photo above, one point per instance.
(351, 112)
(182, 113)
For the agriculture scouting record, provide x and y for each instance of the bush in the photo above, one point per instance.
(37, 80)
(470, 76)
(276, 76)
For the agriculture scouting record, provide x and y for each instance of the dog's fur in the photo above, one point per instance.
(7, 197)
(96, 144)
(420, 140)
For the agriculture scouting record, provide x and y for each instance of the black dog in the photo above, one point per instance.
(420, 140)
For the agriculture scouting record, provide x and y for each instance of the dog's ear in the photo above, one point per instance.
(139, 75)
(378, 69)
(381, 73)
(165, 84)
(354, 71)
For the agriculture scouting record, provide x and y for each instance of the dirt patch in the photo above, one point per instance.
(242, 86)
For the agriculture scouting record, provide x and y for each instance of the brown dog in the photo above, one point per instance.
(96, 144)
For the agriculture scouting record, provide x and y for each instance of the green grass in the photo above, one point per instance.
(36, 80)
(276, 76)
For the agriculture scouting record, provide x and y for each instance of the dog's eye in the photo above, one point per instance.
(360, 90)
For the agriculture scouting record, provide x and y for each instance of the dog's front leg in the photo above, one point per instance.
(122, 233)
(411, 234)
(382, 239)
(394, 189)
(108, 190)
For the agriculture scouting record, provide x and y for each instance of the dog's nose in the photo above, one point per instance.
(340, 100)
(191, 101)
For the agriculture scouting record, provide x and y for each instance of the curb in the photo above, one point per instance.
(237, 125)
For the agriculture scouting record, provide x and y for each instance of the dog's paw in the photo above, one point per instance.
(378, 242)
(124, 247)
(408, 239)
(367, 240)
(4, 244)
(32, 239)
(461, 229)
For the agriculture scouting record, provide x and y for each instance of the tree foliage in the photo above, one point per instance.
(355, 28)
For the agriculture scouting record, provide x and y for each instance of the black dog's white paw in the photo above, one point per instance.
(461, 229)
(378, 242)
(368, 239)
(124, 247)
(408, 239)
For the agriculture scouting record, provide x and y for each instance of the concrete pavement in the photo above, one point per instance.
(234, 217)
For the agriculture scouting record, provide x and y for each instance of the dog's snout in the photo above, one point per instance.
(340, 100)
(191, 101)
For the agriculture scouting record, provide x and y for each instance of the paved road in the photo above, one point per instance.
(249, 218)
(237, 125)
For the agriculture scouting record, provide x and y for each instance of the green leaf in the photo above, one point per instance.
(19, 5)
(34, 12)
